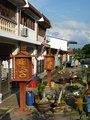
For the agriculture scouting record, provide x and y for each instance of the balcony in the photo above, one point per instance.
(7, 25)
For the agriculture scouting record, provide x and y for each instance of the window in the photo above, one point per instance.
(41, 30)
(7, 10)
(27, 21)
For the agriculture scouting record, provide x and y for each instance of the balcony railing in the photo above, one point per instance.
(7, 25)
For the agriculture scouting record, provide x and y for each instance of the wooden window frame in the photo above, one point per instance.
(27, 21)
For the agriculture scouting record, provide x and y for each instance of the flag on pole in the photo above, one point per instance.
(57, 52)
(43, 45)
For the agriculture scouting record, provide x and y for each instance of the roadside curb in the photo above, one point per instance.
(2, 116)
(9, 107)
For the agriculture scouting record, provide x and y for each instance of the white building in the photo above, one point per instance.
(61, 45)
(20, 25)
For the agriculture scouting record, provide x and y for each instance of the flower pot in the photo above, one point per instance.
(63, 81)
(52, 100)
(37, 99)
(87, 100)
(79, 102)
(70, 101)
(42, 107)
(73, 80)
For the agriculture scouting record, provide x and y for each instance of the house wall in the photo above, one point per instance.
(61, 45)
(57, 43)
(11, 39)
(30, 34)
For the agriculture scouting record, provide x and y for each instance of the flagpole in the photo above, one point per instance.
(43, 45)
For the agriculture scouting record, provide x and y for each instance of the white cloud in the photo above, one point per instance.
(72, 30)
(68, 29)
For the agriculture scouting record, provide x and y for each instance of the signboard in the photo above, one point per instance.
(49, 61)
(21, 69)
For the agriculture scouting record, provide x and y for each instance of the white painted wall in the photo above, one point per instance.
(57, 43)
(31, 33)
(40, 38)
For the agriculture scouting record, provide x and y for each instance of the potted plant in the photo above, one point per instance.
(73, 76)
(40, 92)
(63, 97)
(84, 71)
(70, 90)
(79, 100)
(62, 78)
(62, 103)
(42, 103)
(84, 77)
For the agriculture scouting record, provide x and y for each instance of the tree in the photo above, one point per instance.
(78, 53)
(86, 50)
(83, 52)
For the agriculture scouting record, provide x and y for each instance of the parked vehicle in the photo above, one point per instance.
(68, 64)
(85, 63)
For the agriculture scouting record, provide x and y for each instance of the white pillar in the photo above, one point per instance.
(34, 61)
(16, 50)
(36, 31)
(68, 57)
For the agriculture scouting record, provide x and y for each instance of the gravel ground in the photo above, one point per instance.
(10, 115)
(42, 116)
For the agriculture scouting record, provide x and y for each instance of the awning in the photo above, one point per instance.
(72, 42)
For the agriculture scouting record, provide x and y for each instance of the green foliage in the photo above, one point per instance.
(86, 50)
(72, 88)
(60, 67)
(84, 71)
(88, 114)
(81, 82)
(88, 79)
(78, 96)
(80, 112)
(83, 52)
(40, 87)
(64, 95)
(78, 53)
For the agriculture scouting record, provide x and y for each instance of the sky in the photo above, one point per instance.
(70, 19)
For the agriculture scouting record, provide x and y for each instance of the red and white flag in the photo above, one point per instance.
(57, 52)
(43, 45)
